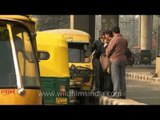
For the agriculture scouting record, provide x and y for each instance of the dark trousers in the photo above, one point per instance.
(98, 74)
(108, 85)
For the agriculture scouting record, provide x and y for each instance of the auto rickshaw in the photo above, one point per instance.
(54, 69)
(80, 63)
(143, 57)
(19, 72)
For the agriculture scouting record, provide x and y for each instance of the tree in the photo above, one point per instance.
(47, 22)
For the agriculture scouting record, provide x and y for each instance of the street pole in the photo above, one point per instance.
(139, 33)
(71, 21)
(157, 37)
(133, 29)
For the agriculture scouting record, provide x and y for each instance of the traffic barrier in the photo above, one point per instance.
(104, 100)
(140, 76)
(143, 76)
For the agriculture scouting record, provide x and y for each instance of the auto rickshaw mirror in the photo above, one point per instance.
(43, 55)
(86, 47)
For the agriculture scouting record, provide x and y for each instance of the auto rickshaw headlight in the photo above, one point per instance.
(73, 67)
(87, 60)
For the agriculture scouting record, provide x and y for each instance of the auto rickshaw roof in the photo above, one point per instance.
(17, 17)
(46, 38)
(72, 35)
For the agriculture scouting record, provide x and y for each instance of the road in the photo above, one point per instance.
(143, 91)
(141, 68)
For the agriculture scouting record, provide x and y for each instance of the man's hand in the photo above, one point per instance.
(104, 54)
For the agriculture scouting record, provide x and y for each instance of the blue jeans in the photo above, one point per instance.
(118, 78)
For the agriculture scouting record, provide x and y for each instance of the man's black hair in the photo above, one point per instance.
(101, 32)
(109, 32)
(116, 30)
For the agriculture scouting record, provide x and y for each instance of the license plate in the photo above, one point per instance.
(146, 58)
(61, 101)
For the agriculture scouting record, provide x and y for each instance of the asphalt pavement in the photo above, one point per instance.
(144, 91)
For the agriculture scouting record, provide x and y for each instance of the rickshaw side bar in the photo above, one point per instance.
(17, 70)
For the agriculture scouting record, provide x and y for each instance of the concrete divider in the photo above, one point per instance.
(142, 76)
(112, 101)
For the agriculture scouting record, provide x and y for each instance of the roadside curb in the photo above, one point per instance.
(111, 101)
(142, 76)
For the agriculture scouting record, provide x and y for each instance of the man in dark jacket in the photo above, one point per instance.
(96, 63)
